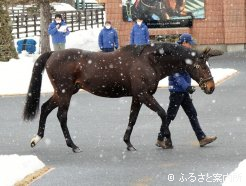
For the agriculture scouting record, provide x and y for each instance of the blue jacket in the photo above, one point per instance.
(139, 34)
(57, 37)
(179, 82)
(108, 38)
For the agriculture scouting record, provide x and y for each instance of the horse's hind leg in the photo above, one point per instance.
(62, 116)
(46, 108)
(135, 107)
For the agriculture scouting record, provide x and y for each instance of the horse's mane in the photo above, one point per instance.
(168, 49)
(134, 49)
(175, 49)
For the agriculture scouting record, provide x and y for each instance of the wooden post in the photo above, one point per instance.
(97, 20)
(85, 12)
(72, 21)
(91, 18)
(18, 26)
(79, 19)
(35, 24)
(26, 24)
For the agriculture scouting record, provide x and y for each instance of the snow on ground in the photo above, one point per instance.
(237, 177)
(14, 168)
(62, 7)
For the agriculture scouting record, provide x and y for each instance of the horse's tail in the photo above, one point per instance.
(33, 95)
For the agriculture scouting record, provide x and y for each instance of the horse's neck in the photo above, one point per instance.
(170, 67)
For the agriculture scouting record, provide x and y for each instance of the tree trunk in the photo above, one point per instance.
(45, 18)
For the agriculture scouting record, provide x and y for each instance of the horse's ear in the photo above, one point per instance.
(212, 52)
(206, 51)
(215, 53)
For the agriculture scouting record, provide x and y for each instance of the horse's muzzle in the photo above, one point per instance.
(209, 91)
(207, 85)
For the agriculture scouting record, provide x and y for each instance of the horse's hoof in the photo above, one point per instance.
(33, 144)
(131, 148)
(77, 150)
(35, 140)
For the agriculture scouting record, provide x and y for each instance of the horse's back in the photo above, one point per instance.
(104, 74)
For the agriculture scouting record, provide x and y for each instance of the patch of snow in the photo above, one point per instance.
(59, 7)
(237, 177)
(15, 167)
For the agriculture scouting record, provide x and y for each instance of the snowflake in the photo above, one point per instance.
(47, 141)
(161, 51)
(188, 61)
(193, 54)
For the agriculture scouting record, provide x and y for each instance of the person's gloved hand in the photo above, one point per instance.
(58, 25)
(191, 89)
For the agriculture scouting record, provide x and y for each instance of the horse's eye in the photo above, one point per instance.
(201, 57)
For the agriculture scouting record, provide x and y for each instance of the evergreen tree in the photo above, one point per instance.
(7, 48)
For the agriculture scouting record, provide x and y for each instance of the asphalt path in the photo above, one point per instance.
(97, 126)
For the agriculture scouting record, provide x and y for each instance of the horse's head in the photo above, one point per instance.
(198, 68)
(170, 58)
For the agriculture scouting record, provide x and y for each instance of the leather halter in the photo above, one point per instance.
(202, 81)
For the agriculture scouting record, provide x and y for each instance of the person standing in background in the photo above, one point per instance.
(58, 30)
(108, 38)
(139, 33)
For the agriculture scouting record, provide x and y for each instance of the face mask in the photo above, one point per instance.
(58, 22)
(108, 26)
(139, 22)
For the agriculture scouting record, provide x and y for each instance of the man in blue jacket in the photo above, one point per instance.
(180, 88)
(108, 38)
(139, 33)
(58, 30)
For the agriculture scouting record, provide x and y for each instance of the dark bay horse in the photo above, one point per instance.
(130, 71)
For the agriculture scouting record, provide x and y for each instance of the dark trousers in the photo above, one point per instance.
(108, 49)
(177, 99)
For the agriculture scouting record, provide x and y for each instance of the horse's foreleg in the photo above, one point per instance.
(135, 107)
(151, 103)
(46, 108)
(62, 116)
